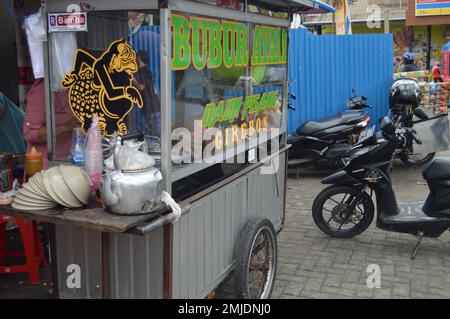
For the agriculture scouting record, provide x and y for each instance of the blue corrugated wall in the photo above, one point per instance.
(323, 69)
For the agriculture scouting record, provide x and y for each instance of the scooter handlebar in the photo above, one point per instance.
(404, 133)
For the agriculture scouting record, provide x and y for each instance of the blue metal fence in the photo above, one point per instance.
(324, 69)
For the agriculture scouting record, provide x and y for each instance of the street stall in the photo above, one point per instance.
(201, 86)
(435, 95)
(434, 101)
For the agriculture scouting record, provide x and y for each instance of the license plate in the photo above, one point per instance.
(366, 134)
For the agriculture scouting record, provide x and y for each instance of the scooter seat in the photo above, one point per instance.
(438, 169)
(342, 118)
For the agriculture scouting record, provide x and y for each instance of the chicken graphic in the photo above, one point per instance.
(104, 87)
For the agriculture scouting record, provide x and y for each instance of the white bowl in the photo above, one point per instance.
(29, 194)
(28, 201)
(64, 190)
(50, 190)
(78, 181)
(64, 196)
(29, 208)
(38, 181)
(33, 187)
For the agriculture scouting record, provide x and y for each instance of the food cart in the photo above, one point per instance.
(213, 66)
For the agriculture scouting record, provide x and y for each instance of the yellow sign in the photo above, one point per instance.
(342, 18)
(432, 7)
(104, 87)
(211, 43)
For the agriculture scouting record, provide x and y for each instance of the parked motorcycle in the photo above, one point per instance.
(346, 208)
(404, 102)
(322, 143)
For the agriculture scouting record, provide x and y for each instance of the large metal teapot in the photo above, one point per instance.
(131, 190)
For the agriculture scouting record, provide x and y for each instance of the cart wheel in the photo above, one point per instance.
(256, 260)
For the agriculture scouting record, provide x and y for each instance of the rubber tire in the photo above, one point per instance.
(243, 248)
(404, 158)
(325, 194)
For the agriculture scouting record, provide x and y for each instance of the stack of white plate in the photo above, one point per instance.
(68, 186)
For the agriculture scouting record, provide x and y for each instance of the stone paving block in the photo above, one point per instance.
(293, 288)
(365, 293)
(333, 280)
(352, 275)
(401, 290)
(325, 261)
(313, 284)
(383, 293)
(341, 292)
(310, 274)
(309, 294)
(288, 269)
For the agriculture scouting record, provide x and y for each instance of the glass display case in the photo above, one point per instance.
(205, 83)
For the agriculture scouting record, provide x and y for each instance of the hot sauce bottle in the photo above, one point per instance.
(33, 163)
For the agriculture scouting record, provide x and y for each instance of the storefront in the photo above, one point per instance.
(428, 22)
(206, 84)
(425, 35)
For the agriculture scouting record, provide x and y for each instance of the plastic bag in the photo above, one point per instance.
(131, 159)
(94, 154)
(169, 201)
(435, 135)
(36, 35)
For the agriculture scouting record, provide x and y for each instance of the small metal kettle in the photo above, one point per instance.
(131, 192)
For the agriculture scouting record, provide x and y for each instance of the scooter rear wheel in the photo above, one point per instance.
(331, 203)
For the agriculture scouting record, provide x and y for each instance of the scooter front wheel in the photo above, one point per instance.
(331, 215)
(416, 160)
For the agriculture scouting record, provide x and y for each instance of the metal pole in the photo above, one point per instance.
(166, 99)
(387, 15)
(51, 138)
(428, 47)
(410, 38)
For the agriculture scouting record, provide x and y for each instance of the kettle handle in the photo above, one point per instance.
(112, 198)
(116, 154)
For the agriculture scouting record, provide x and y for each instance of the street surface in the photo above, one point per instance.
(313, 265)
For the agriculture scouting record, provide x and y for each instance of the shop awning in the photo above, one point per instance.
(311, 7)
(322, 7)
(300, 6)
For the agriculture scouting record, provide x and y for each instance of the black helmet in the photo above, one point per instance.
(405, 91)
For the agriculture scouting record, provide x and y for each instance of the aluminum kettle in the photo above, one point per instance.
(131, 192)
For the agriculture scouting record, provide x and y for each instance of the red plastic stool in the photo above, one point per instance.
(33, 250)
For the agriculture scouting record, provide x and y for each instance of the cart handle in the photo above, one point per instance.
(157, 222)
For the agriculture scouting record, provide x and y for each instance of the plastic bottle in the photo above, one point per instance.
(77, 151)
(33, 163)
(94, 154)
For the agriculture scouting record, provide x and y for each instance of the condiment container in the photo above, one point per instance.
(33, 163)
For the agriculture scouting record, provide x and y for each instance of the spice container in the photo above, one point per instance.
(33, 163)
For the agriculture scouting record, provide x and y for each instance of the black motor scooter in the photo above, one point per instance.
(322, 143)
(346, 208)
(404, 102)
